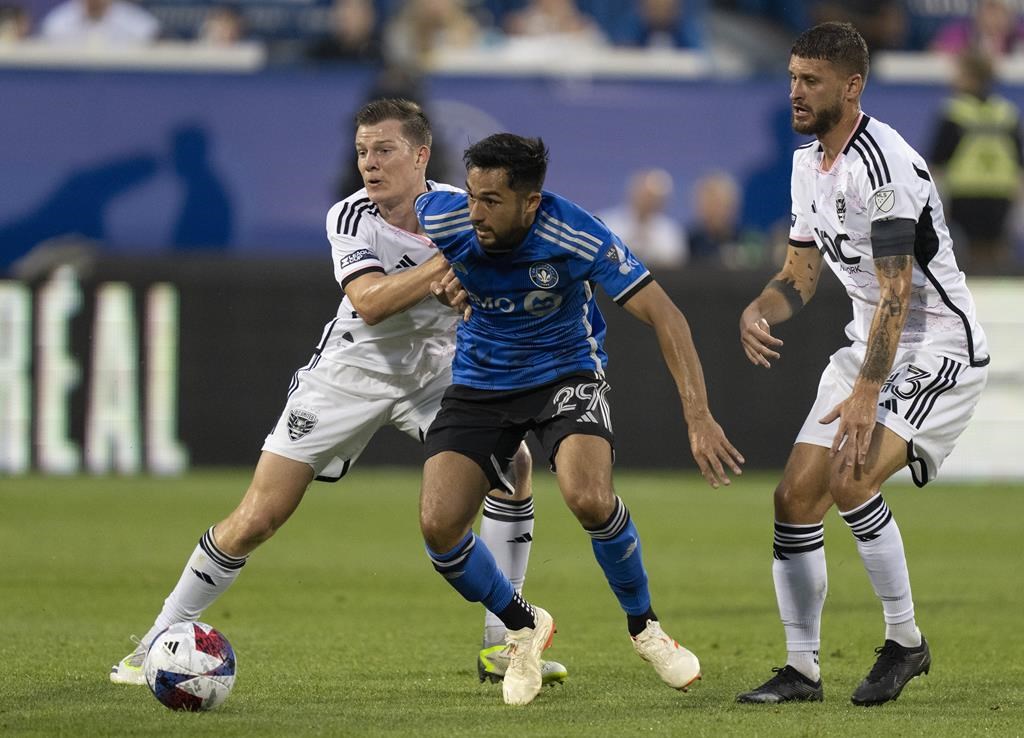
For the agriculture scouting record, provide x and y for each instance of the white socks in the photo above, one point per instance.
(801, 583)
(881, 549)
(506, 527)
(208, 573)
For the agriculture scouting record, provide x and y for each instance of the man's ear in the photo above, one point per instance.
(532, 202)
(854, 86)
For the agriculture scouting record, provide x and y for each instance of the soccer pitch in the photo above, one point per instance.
(342, 628)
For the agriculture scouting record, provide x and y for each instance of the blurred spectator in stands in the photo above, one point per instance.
(714, 235)
(976, 157)
(15, 23)
(100, 22)
(352, 35)
(422, 27)
(641, 222)
(222, 26)
(994, 29)
(662, 24)
(553, 18)
(884, 24)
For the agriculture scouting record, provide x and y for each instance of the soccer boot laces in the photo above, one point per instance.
(788, 685)
(676, 666)
(896, 665)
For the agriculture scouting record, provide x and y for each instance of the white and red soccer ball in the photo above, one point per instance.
(190, 666)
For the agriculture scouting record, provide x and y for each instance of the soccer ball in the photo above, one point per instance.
(190, 666)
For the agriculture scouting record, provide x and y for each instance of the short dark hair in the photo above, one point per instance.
(415, 125)
(525, 160)
(838, 43)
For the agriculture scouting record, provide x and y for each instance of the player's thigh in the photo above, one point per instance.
(814, 480)
(802, 495)
(331, 414)
(583, 465)
(521, 475)
(452, 490)
(277, 487)
(852, 486)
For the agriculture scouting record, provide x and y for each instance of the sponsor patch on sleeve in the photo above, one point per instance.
(355, 257)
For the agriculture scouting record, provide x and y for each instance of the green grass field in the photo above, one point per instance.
(342, 628)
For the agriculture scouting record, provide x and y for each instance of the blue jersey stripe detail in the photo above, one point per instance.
(535, 316)
(567, 247)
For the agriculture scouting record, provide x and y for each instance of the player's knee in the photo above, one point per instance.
(439, 535)
(794, 504)
(246, 529)
(849, 492)
(591, 508)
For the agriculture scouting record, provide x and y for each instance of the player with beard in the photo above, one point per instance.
(899, 395)
(530, 358)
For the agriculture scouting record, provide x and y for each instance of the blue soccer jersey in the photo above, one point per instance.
(535, 317)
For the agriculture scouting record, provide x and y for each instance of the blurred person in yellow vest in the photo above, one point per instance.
(976, 156)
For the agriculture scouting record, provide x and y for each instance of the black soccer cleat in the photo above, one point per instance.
(896, 665)
(788, 685)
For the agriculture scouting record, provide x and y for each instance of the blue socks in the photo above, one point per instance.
(616, 545)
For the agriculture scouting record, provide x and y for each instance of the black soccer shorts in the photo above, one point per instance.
(488, 425)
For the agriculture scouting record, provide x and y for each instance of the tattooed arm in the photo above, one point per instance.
(781, 299)
(857, 413)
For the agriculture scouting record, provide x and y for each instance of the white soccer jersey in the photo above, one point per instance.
(878, 176)
(417, 340)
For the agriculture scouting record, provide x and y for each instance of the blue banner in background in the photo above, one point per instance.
(244, 164)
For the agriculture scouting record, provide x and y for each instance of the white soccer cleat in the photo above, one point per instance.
(676, 666)
(129, 669)
(492, 663)
(523, 678)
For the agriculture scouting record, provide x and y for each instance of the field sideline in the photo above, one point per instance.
(342, 628)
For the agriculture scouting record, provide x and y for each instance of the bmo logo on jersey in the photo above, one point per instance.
(539, 303)
(501, 304)
(833, 247)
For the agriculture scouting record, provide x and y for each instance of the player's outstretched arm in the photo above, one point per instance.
(782, 298)
(377, 296)
(711, 449)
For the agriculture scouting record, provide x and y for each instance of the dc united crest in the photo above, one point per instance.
(300, 423)
(841, 207)
(543, 275)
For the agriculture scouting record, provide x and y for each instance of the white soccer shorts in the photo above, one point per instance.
(334, 409)
(927, 401)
